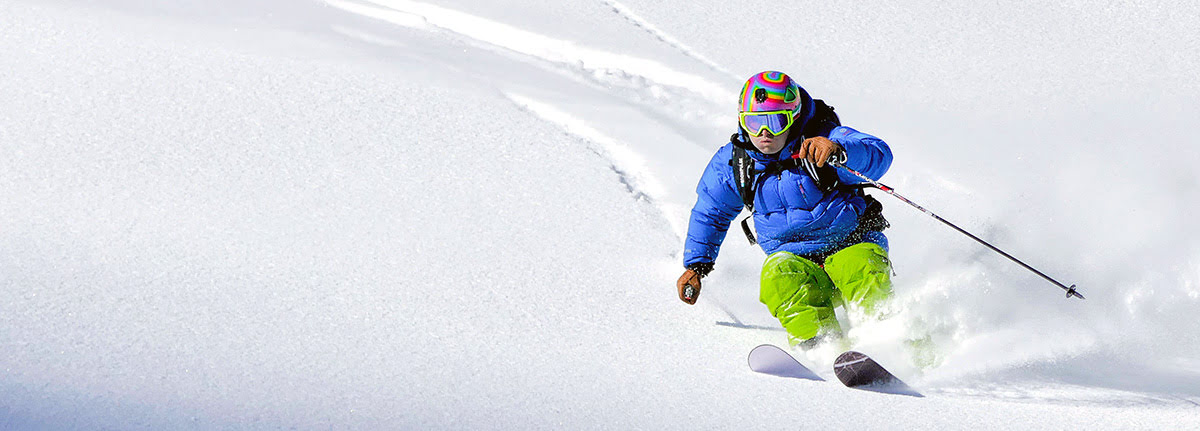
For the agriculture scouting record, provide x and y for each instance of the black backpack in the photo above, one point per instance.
(747, 177)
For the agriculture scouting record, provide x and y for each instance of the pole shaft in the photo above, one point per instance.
(1070, 290)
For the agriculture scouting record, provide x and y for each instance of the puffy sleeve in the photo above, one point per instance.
(864, 153)
(717, 204)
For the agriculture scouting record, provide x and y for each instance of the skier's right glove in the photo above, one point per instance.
(689, 283)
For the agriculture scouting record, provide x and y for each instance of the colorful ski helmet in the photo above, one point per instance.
(773, 92)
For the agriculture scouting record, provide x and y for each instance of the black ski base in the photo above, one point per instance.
(855, 369)
(859, 371)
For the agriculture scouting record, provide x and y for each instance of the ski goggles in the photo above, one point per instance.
(775, 122)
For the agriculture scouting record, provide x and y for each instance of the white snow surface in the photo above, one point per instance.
(393, 214)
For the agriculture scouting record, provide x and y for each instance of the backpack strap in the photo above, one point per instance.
(745, 177)
(743, 173)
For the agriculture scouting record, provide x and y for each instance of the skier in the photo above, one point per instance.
(821, 233)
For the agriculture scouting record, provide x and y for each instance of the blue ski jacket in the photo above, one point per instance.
(790, 212)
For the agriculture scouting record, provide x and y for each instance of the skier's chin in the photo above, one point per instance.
(769, 147)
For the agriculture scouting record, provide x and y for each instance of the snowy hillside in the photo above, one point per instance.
(392, 214)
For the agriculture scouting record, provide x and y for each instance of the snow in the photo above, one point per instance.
(386, 214)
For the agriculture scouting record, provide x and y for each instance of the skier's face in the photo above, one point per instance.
(768, 143)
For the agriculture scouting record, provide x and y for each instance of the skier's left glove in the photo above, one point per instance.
(689, 283)
(819, 150)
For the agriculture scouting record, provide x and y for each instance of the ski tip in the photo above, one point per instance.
(859, 371)
(856, 369)
(849, 358)
(773, 360)
(768, 351)
(763, 350)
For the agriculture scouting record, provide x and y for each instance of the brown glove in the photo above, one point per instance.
(689, 283)
(689, 287)
(818, 150)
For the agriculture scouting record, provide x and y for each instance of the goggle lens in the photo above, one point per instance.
(775, 122)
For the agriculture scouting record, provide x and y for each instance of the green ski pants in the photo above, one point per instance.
(802, 294)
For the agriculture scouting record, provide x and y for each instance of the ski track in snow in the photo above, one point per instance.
(641, 81)
(637, 20)
(394, 16)
(668, 94)
(503, 36)
(627, 164)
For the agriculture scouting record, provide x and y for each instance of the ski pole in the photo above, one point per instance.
(1070, 290)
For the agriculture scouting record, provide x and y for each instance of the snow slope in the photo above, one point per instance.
(381, 214)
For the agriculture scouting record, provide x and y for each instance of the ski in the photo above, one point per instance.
(859, 371)
(768, 359)
(855, 369)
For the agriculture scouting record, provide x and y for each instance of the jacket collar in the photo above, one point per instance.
(785, 153)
